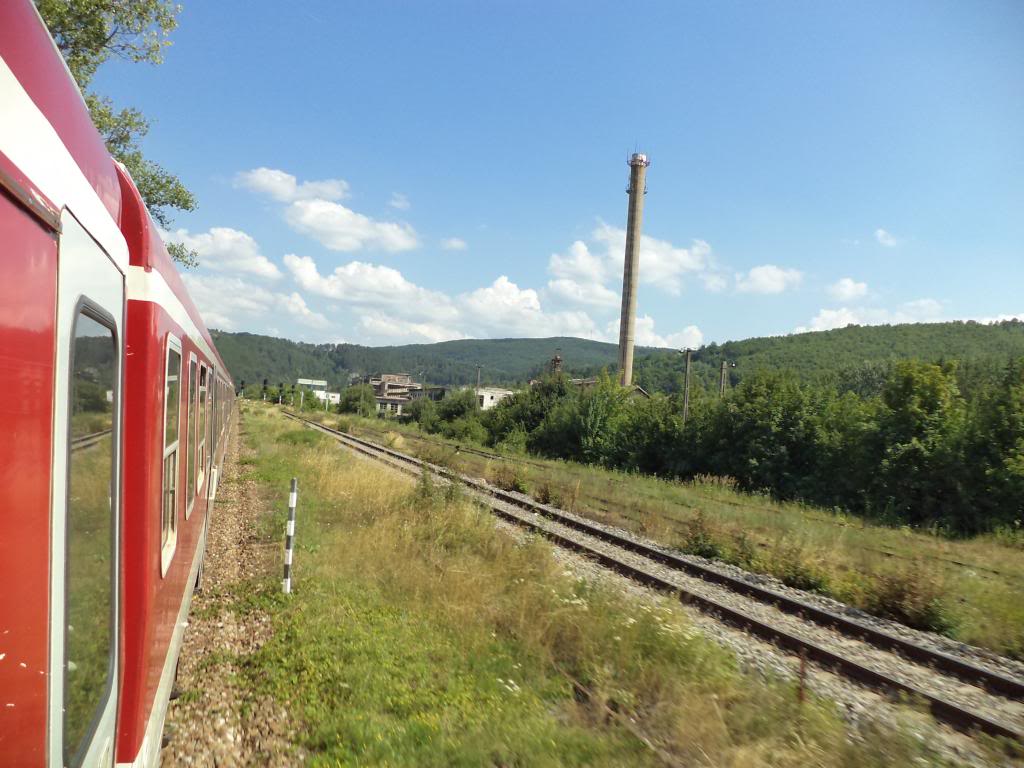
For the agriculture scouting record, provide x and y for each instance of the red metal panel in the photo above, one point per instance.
(30, 53)
(151, 601)
(28, 298)
(148, 251)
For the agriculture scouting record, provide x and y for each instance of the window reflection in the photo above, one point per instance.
(89, 532)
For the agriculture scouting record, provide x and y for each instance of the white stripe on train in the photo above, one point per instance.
(34, 146)
(143, 285)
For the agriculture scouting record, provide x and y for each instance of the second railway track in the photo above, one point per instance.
(957, 691)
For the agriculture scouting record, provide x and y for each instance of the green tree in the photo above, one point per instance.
(358, 399)
(88, 33)
(922, 428)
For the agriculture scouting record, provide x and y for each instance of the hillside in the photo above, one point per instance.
(856, 357)
(252, 358)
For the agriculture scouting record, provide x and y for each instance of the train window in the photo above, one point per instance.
(169, 494)
(190, 426)
(201, 427)
(214, 418)
(90, 529)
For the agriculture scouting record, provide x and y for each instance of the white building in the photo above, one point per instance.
(488, 397)
(332, 397)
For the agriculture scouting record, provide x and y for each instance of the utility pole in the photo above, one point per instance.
(478, 380)
(724, 380)
(686, 385)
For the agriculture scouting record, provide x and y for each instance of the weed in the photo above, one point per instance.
(742, 550)
(911, 596)
(792, 567)
(699, 539)
(545, 494)
(301, 436)
(509, 477)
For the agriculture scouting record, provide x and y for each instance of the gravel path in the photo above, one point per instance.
(206, 724)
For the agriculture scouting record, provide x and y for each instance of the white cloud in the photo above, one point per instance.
(886, 239)
(342, 229)
(847, 289)
(225, 302)
(580, 265)
(504, 309)
(453, 244)
(768, 279)
(714, 282)
(223, 249)
(661, 263)
(574, 292)
(296, 306)
(644, 334)
(371, 285)
(399, 201)
(384, 327)
(917, 311)
(285, 188)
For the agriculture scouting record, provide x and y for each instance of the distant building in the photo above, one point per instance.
(393, 391)
(488, 397)
(391, 406)
(331, 397)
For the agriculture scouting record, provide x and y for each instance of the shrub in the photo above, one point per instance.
(699, 539)
(911, 596)
(466, 428)
(509, 478)
(548, 495)
(790, 566)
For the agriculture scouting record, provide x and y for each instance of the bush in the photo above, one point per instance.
(909, 596)
(509, 478)
(548, 495)
(699, 539)
(466, 428)
(789, 565)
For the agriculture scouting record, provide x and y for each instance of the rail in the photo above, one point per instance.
(947, 711)
(87, 441)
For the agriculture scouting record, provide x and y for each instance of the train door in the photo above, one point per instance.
(85, 503)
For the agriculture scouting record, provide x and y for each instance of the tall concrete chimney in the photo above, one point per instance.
(631, 269)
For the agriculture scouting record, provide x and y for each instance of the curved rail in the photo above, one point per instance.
(944, 710)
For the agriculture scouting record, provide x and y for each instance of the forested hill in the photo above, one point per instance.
(252, 358)
(855, 357)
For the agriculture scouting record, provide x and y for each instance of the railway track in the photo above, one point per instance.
(87, 441)
(957, 691)
(491, 456)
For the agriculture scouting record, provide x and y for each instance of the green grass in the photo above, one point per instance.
(971, 590)
(419, 634)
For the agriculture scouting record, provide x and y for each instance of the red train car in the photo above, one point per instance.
(114, 418)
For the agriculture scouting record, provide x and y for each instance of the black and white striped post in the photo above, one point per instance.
(289, 538)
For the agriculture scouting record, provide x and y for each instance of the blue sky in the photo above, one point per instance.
(393, 172)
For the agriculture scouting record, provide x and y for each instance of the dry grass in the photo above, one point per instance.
(421, 634)
(978, 583)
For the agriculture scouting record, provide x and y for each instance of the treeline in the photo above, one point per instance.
(252, 358)
(851, 358)
(920, 452)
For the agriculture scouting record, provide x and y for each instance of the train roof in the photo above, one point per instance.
(52, 155)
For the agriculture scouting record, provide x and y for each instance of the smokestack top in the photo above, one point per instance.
(639, 158)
